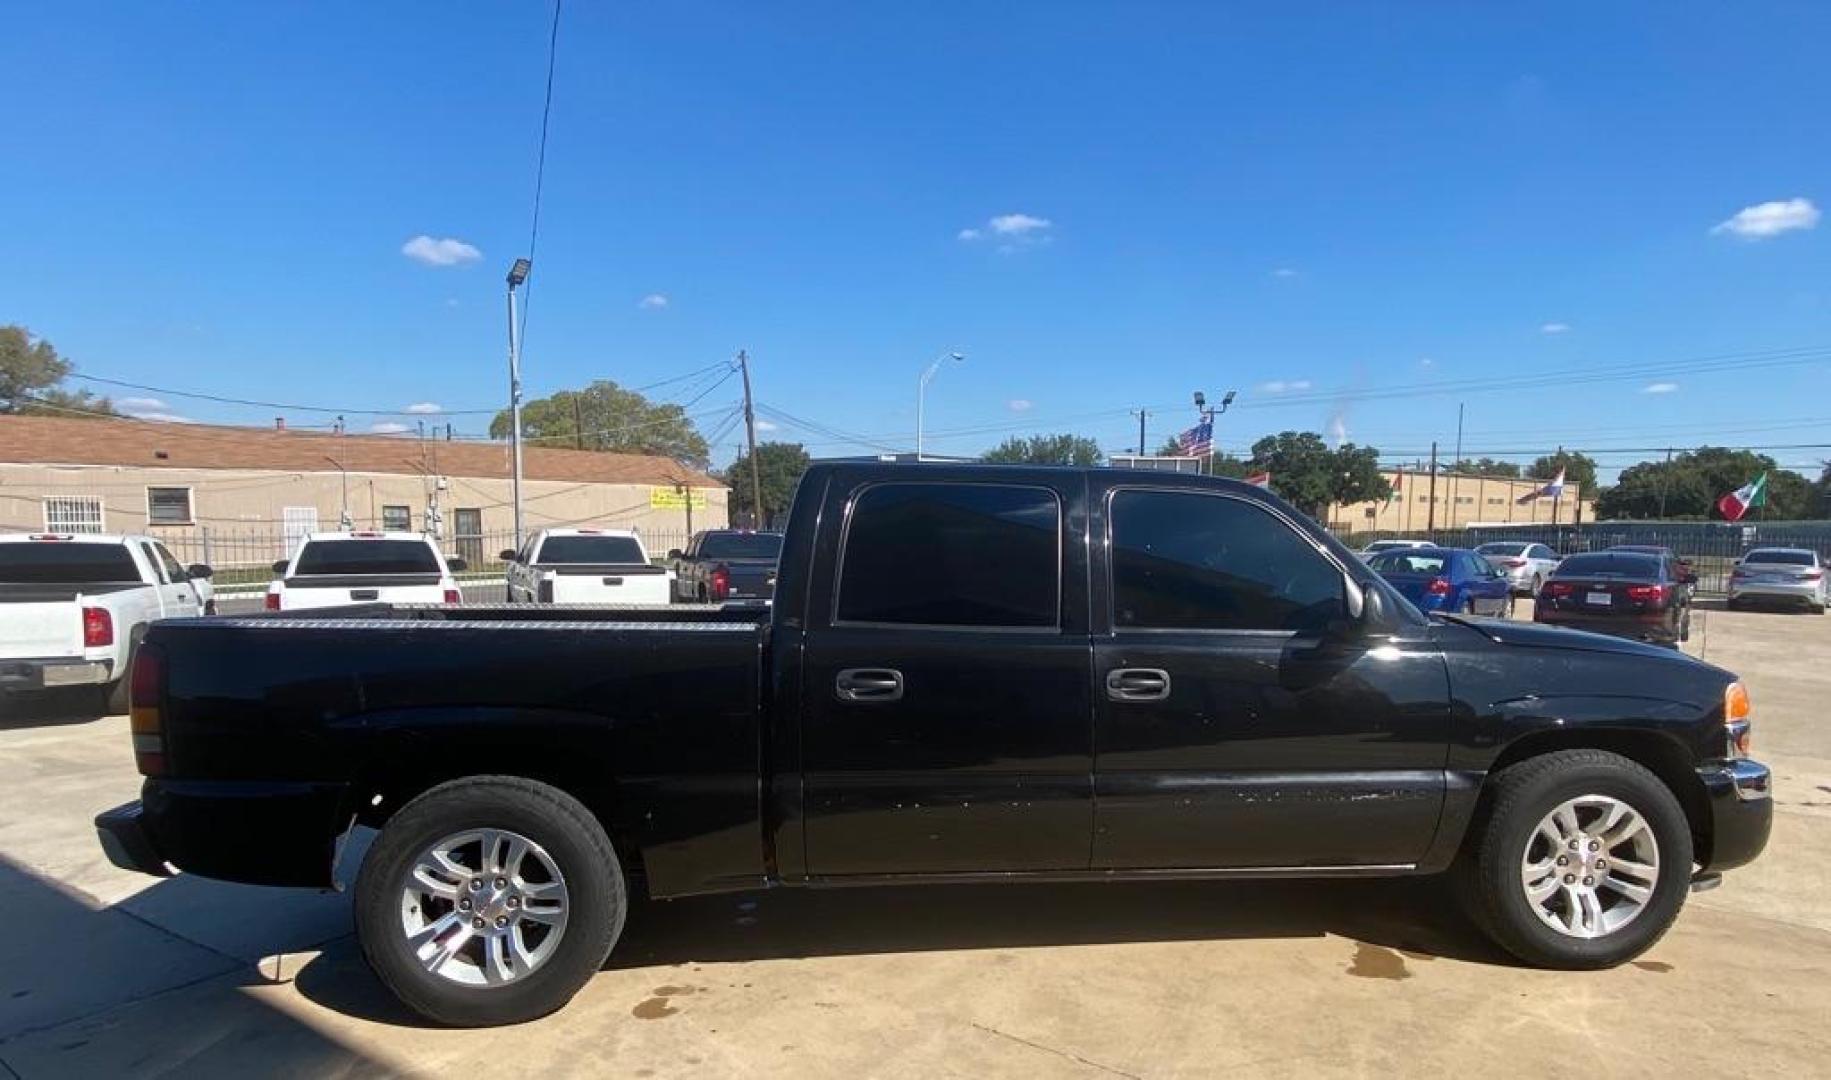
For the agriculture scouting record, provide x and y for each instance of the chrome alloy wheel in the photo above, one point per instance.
(483, 907)
(1590, 867)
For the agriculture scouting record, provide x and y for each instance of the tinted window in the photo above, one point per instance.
(367, 557)
(586, 550)
(952, 555)
(59, 562)
(152, 560)
(1184, 560)
(173, 569)
(1502, 549)
(1604, 564)
(1785, 558)
(741, 546)
(1406, 562)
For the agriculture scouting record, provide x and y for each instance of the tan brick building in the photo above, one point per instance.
(1460, 500)
(238, 496)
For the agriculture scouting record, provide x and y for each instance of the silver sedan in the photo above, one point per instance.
(1524, 565)
(1779, 576)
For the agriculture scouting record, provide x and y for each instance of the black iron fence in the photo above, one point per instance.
(1711, 547)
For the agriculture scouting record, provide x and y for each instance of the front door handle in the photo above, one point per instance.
(1137, 684)
(868, 686)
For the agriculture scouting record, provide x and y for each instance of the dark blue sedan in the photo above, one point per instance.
(1446, 579)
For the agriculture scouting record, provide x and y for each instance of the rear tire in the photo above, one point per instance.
(562, 842)
(1543, 912)
(1538, 582)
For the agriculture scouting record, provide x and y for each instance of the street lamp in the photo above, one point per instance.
(1208, 414)
(343, 522)
(518, 274)
(922, 390)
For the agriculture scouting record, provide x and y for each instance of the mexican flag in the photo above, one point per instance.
(1743, 499)
(1397, 479)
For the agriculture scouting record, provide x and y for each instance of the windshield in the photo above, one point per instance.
(1501, 549)
(1783, 558)
(60, 562)
(1408, 562)
(589, 551)
(367, 557)
(734, 545)
(1389, 545)
(1606, 564)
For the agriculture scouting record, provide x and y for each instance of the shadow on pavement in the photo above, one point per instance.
(50, 708)
(1414, 916)
(91, 991)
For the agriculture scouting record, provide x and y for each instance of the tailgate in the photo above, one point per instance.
(41, 630)
(752, 579)
(336, 592)
(610, 585)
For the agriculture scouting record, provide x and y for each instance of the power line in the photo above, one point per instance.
(293, 406)
(540, 170)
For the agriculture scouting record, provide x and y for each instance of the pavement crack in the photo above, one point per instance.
(1067, 1055)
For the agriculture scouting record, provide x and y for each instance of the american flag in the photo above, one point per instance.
(1198, 440)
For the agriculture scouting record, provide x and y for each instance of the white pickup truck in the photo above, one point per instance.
(586, 566)
(74, 606)
(333, 569)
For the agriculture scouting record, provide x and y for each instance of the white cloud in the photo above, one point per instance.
(653, 300)
(1554, 328)
(1762, 220)
(765, 425)
(1014, 230)
(1659, 388)
(388, 427)
(440, 251)
(132, 405)
(1284, 386)
(1426, 362)
(1338, 427)
(1284, 272)
(1020, 405)
(424, 408)
(162, 417)
(968, 234)
(1018, 224)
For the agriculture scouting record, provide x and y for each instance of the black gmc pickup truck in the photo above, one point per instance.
(971, 673)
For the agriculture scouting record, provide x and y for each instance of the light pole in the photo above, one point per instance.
(343, 522)
(928, 376)
(1208, 414)
(518, 274)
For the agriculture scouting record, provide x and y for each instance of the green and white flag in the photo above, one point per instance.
(1745, 498)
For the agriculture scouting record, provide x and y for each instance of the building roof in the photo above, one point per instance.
(151, 445)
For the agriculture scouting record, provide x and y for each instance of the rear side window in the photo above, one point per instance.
(982, 555)
(1783, 558)
(1406, 562)
(60, 562)
(588, 550)
(1189, 561)
(741, 546)
(366, 557)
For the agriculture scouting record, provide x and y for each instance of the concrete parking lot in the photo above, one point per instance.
(108, 973)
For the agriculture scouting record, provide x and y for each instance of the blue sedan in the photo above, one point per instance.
(1446, 579)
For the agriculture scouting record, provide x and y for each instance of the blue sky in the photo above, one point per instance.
(1352, 214)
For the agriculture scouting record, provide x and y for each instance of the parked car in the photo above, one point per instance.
(585, 566)
(1686, 572)
(970, 673)
(74, 607)
(1526, 565)
(726, 564)
(1623, 593)
(1794, 576)
(332, 569)
(1391, 545)
(1446, 579)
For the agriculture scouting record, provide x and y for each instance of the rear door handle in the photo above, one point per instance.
(1137, 684)
(869, 685)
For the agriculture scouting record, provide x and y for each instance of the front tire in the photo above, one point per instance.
(1625, 851)
(489, 900)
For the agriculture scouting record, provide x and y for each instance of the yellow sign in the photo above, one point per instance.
(667, 498)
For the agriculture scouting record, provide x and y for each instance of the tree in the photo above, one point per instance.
(1045, 450)
(779, 469)
(1579, 470)
(30, 370)
(604, 416)
(1690, 484)
(1311, 476)
(1486, 467)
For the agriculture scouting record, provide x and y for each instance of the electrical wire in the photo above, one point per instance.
(540, 175)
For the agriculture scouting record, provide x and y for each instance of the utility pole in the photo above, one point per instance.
(1141, 417)
(750, 435)
(1665, 481)
(1456, 467)
(578, 424)
(518, 274)
(1431, 519)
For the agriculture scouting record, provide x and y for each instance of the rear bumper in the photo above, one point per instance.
(1776, 593)
(265, 833)
(49, 674)
(1740, 797)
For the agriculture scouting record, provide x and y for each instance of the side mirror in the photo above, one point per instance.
(506, 556)
(199, 570)
(1354, 598)
(675, 553)
(279, 566)
(457, 566)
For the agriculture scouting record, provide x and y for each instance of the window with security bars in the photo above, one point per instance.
(168, 505)
(397, 519)
(66, 514)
